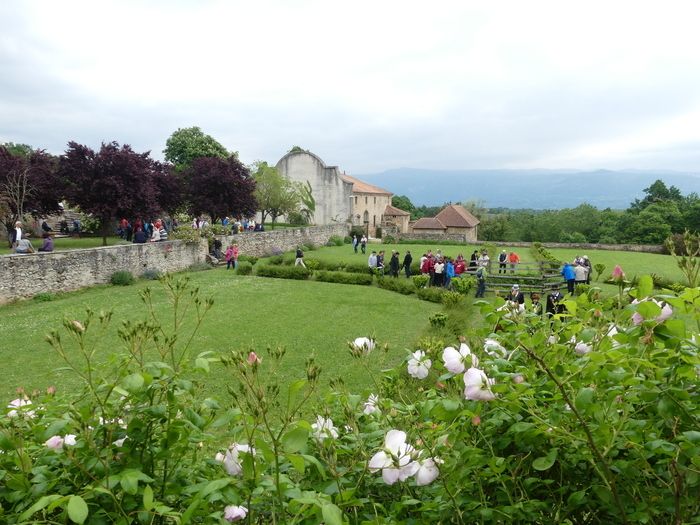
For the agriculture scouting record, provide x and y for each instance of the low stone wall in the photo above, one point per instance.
(643, 248)
(27, 275)
(260, 244)
(456, 237)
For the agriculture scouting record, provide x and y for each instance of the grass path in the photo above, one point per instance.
(305, 317)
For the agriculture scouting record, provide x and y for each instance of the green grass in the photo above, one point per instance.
(632, 263)
(249, 312)
(68, 243)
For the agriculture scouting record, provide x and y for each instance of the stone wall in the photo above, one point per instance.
(437, 236)
(266, 243)
(27, 275)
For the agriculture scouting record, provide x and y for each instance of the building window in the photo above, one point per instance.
(355, 200)
(365, 200)
(375, 200)
(365, 217)
(374, 220)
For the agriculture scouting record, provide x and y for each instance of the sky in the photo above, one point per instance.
(366, 85)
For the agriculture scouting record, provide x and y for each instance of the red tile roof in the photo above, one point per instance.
(455, 216)
(359, 186)
(392, 211)
(428, 223)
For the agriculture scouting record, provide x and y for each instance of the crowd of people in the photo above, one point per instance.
(141, 231)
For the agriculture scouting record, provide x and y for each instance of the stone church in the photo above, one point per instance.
(340, 197)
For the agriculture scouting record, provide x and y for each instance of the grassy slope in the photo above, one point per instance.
(305, 317)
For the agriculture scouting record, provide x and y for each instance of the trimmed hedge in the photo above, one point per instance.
(434, 295)
(244, 268)
(402, 286)
(283, 272)
(344, 278)
(248, 258)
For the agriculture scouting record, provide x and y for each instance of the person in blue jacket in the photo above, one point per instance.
(569, 276)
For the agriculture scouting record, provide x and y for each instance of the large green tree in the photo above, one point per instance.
(188, 144)
(402, 202)
(276, 194)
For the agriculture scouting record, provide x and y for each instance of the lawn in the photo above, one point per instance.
(249, 312)
(68, 243)
(632, 263)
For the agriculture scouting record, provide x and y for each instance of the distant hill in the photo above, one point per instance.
(536, 189)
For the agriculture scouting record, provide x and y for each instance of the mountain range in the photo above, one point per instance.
(534, 189)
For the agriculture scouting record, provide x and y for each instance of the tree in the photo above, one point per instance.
(276, 195)
(657, 192)
(403, 203)
(188, 144)
(308, 203)
(28, 184)
(116, 182)
(170, 186)
(220, 187)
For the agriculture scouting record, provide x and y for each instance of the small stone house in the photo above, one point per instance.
(371, 207)
(452, 219)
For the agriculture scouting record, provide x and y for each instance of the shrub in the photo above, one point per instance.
(336, 240)
(199, 267)
(347, 239)
(43, 297)
(463, 284)
(275, 260)
(438, 320)
(358, 231)
(283, 272)
(312, 264)
(434, 295)
(388, 239)
(151, 274)
(343, 278)
(420, 280)
(356, 267)
(402, 286)
(252, 259)
(122, 278)
(244, 268)
(452, 299)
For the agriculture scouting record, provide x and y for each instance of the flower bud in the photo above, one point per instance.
(78, 326)
(476, 421)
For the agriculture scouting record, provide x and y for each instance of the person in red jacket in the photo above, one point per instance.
(514, 260)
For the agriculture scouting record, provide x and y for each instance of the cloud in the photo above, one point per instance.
(366, 85)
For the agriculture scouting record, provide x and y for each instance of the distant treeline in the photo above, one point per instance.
(662, 212)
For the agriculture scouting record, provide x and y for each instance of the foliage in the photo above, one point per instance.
(252, 259)
(689, 259)
(220, 187)
(402, 202)
(44, 297)
(388, 239)
(599, 269)
(151, 274)
(244, 268)
(402, 286)
(463, 284)
(283, 272)
(434, 295)
(438, 320)
(420, 281)
(344, 278)
(336, 240)
(186, 145)
(275, 194)
(308, 202)
(122, 278)
(28, 183)
(452, 299)
(113, 183)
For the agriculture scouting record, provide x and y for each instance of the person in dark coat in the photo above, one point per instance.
(407, 260)
(554, 305)
(394, 264)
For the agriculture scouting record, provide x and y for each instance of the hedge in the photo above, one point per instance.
(344, 278)
(283, 272)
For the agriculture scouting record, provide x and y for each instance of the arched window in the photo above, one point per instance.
(365, 217)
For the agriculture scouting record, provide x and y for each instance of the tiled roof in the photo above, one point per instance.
(455, 216)
(392, 211)
(359, 186)
(428, 223)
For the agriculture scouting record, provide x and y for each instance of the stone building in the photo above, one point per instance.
(331, 192)
(340, 197)
(452, 219)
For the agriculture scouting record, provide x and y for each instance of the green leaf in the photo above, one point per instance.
(202, 364)
(545, 462)
(77, 509)
(297, 462)
(42, 503)
(332, 515)
(571, 306)
(645, 287)
(294, 389)
(133, 382)
(584, 398)
(648, 309)
(215, 485)
(295, 439)
(54, 428)
(148, 497)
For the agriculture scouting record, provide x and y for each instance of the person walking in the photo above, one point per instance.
(363, 244)
(514, 260)
(299, 261)
(394, 264)
(407, 260)
(354, 243)
(569, 276)
(481, 274)
(502, 258)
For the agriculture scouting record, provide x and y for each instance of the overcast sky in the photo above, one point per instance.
(366, 85)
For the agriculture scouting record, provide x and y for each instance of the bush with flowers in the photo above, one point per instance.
(590, 416)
